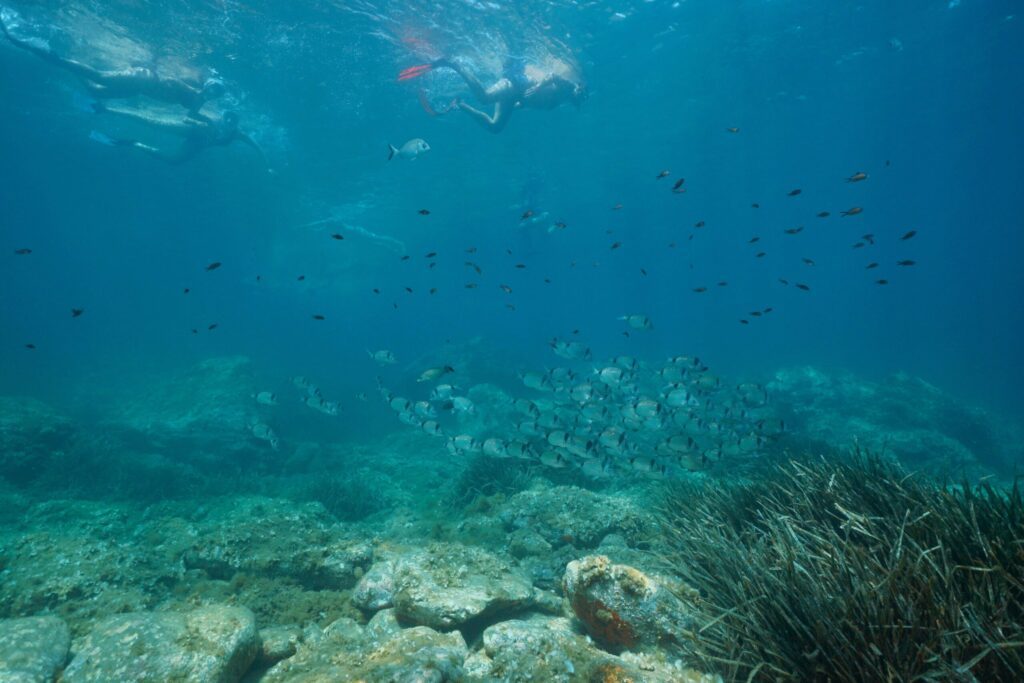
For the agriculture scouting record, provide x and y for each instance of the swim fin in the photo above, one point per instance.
(414, 71)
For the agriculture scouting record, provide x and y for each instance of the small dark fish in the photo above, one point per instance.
(643, 272)
(909, 235)
(433, 290)
(510, 307)
(700, 290)
(317, 316)
(723, 283)
(793, 193)
(732, 130)
(617, 207)
(744, 322)
(424, 212)
(802, 286)
(869, 238)
(852, 212)
(881, 282)
(857, 177)
(756, 314)
(195, 331)
(753, 239)
(26, 252)
(888, 163)
(30, 347)
(823, 214)
(258, 278)
(405, 258)
(337, 236)
(547, 281)
(475, 267)
(699, 224)
(755, 205)
(431, 264)
(768, 310)
(785, 282)
(871, 266)
(394, 305)
(211, 327)
(526, 215)
(858, 245)
(616, 245)
(678, 184)
(625, 333)
(471, 250)
(376, 290)
(520, 266)
(187, 290)
(506, 289)
(576, 331)
(301, 278)
(409, 289)
(75, 312)
(431, 254)
(663, 174)
(760, 254)
(561, 225)
(807, 261)
(794, 231)
(671, 245)
(906, 262)
(508, 251)
(214, 266)
(470, 285)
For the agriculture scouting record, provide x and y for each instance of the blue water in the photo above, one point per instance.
(922, 95)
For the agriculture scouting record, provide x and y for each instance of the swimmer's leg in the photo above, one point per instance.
(475, 86)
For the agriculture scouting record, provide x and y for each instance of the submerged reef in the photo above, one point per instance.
(166, 542)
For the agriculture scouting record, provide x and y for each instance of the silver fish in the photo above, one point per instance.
(411, 150)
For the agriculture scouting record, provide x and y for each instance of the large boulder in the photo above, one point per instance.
(901, 415)
(444, 586)
(33, 437)
(625, 609)
(270, 537)
(344, 652)
(32, 649)
(214, 644)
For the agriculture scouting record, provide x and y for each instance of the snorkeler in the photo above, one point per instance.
(198, 130)
(522, 85)
(124, 83)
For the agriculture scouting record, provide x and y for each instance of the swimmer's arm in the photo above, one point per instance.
(245, 139)
(45, 52)
(553, 82)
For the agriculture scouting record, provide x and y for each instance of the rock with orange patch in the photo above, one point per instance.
(624, 609)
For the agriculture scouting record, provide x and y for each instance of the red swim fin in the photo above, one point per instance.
(414, 72)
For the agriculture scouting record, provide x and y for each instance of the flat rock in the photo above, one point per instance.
(276, 538)
(346, 652)
(33, 437)
(214, 644)
(550, 649)
(447, 585)
(624, 609)
(32, 649)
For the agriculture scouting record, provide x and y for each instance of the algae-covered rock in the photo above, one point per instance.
(272, 537)
(623, 608)
(901, 415)
(277, 643)
(205, 409)
(32, 436)
(214, 644)
(446, 585)
(345, 652)
(550, 649)
(32, 649)
(567, 515)
(376, 588)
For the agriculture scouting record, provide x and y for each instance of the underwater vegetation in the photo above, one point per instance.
(852, 570)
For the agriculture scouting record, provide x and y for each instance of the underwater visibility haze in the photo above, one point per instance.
(506, 341)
